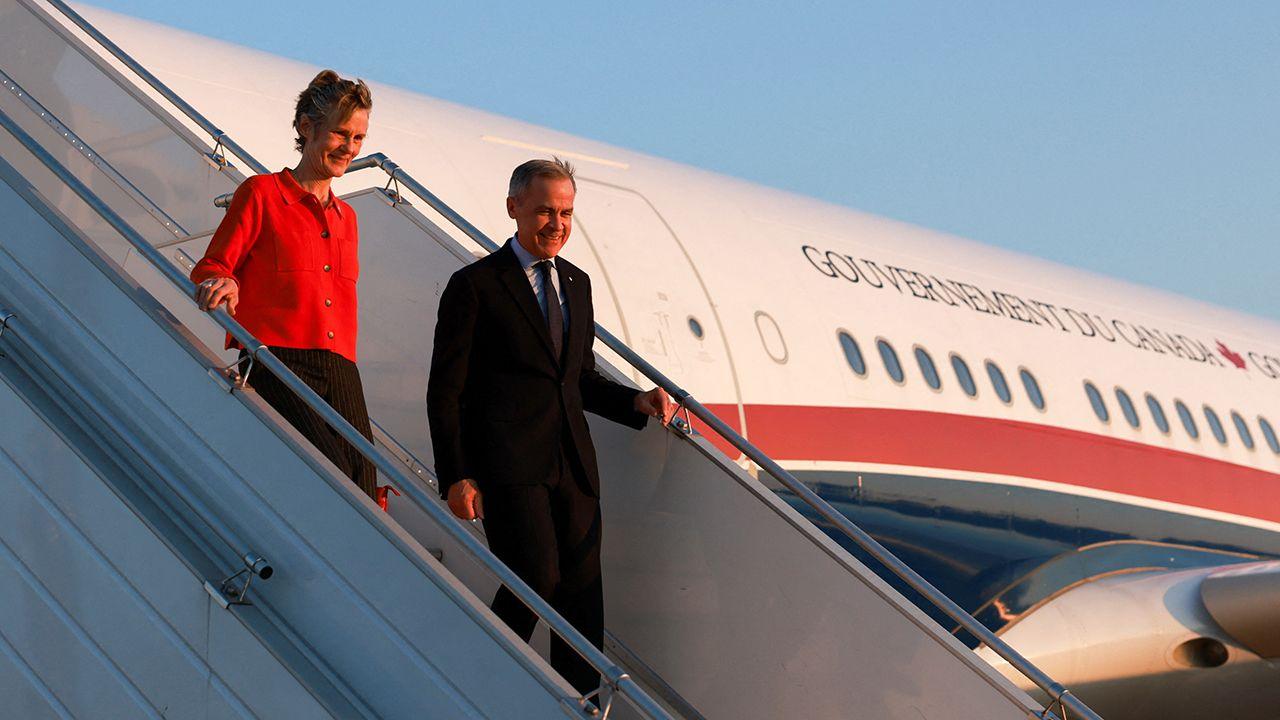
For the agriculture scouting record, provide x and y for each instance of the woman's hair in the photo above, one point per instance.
(328, 93)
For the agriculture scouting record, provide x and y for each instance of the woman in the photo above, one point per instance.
(284, 261)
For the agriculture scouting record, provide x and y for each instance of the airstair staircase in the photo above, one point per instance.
(169, 548)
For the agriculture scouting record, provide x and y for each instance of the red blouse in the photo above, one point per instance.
(296, 263)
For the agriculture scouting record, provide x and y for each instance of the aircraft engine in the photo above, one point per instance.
(1186, 644)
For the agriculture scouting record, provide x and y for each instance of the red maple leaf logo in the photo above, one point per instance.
(1235, 357)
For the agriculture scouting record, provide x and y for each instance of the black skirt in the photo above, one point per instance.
(337, 381)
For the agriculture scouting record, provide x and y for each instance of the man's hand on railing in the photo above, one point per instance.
(656, 403)
(213, 292)
(465, 500)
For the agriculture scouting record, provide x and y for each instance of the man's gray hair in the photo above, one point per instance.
(522, 177)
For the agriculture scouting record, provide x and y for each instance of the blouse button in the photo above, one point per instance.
(330, 334)
(326, 268)
(328, 302)
(325, 234)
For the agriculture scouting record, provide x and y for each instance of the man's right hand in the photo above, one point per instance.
(465, 500)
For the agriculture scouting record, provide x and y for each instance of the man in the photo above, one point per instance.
(511, 373)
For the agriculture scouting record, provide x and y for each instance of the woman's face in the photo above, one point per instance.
(332, 144)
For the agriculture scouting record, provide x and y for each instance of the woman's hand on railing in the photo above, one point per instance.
(213, 292)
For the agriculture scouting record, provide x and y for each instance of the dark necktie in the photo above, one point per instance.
(555, 318)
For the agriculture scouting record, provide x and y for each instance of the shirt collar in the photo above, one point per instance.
(292, 192)
(524, 257)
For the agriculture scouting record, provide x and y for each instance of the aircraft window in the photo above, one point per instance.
(1095, 399)
(890, 358)
(695, 327)
(963, 376)
(1032, 387)
(1188, 420)
(853, 354)
(1126, 406)
(771, 335)
(927, 368)
(1215, 425)
(1269, 433)
(1246, 437)
(1157, 413)
(998, 382)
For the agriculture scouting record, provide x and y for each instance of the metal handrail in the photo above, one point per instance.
(219, 137)
(1057, 693)
(614, 676)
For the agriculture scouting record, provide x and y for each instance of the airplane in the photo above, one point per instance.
(1088, 466)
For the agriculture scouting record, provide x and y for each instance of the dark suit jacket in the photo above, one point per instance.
(498, 401)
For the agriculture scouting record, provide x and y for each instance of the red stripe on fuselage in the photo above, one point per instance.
(1006, 447)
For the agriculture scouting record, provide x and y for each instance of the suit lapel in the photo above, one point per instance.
(517, 283)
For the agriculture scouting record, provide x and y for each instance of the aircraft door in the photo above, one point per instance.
(662, 308)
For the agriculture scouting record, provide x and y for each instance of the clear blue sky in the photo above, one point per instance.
(1138, 139)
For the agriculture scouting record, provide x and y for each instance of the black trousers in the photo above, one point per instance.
(337, 381)
(549, 535)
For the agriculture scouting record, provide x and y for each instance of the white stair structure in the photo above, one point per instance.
(144, 493)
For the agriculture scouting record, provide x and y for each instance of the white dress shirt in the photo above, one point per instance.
(529, 263)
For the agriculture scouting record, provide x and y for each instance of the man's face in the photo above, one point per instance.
(543, 215)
